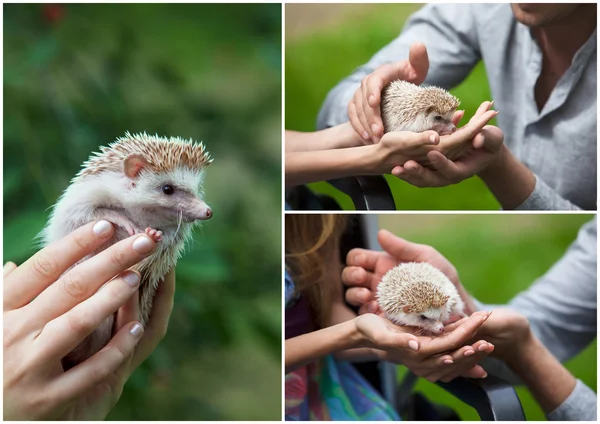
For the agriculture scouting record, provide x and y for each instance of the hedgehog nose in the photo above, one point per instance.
(208, 213)
(453, 128)
(442, 330)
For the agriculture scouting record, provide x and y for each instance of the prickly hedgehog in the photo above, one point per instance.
(138, 181)
(418, 294)
(409, 107)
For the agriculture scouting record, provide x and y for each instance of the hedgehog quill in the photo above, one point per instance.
(409, 107)
(419, 295)
(140, 183)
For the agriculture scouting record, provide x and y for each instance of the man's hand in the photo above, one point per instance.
(364, 108)
(365, 268)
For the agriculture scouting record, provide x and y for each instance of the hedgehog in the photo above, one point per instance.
(140, 183)
(409, 107)
(419, 295)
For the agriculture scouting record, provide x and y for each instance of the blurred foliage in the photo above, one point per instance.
(78, 76)
(497, 257)
(320, 56)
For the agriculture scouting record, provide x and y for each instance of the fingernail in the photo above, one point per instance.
(137, 330)
(6, 266)
(365, 135)
(485, 374)
(469, 352)
(142, 245)
(374, 127)
(448, 361)
(413, 345)
(491, 103)
(131, 278)
(371, 100)
(497, 112)
(371, 308)
(482, 347)
(102, 228)
(432, 138)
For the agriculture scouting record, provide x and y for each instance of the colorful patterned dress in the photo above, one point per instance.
(326, 390)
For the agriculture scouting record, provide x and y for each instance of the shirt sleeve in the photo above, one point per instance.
(546, 199)
(561, 307)
(448, 31)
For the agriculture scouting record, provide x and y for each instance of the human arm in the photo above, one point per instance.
(449, 34)
(46, 314)
(338, 137)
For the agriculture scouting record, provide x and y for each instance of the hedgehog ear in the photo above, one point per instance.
(429, 110)
(406, 309)
(133, 164)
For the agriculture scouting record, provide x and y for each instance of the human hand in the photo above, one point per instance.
(508, 330)
(364, 108)
(365, 269)
(434, 358)
(47, 314)
(470, 158)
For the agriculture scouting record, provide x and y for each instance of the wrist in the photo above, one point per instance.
(346, 136)
(525, 352)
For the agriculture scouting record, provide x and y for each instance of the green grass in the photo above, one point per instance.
(316, 62)
(497, 256)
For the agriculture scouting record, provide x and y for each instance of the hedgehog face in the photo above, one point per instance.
(440, 123)
(166, 198)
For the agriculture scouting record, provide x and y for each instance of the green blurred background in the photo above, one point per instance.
(497, 256)
(78, 76)
(324, 43)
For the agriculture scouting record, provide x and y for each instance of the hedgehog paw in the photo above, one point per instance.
(154, 234)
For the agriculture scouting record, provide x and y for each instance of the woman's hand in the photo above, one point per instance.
(47, 314)
(434, 358)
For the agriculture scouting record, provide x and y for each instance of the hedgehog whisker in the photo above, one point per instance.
(179, 219)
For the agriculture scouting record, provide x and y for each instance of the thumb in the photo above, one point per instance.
(401, 340)
(419, 60)
(399, 248)
(8, 268)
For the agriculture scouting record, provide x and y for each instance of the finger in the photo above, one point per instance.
(156, 329)
(453, 339)
(397, 171)
(363, 258)
(61, 335)
(450, 170)
(400, 249)
(355, 122)
(99, 367)
(467, 132)
(355, 276)
(478, 140)
(476, 371)
(483, 107)
(129, 311)
(42, 269)
(370, 308)
(358, 102)
(465, 359)
(493, 137)
(419, 61)
(372, 89)
(86, 278)
(8, 268)
(456, 118)
(451, 327)
(411, 140)
(358, 296)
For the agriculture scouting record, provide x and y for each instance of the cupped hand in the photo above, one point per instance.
(364, 108)
(435, 358)
(365, 268)
(459, 156)
(508, 330)
(47, 312)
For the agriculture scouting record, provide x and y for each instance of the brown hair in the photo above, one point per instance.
(311, 252)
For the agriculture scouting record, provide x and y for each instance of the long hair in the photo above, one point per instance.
(312, 258)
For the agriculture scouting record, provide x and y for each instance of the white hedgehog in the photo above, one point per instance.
(419, 295)
(409, 107)
(139, 183)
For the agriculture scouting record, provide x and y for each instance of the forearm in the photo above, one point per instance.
(309, 347)
(306, 167)
(337, 137)
(548, 381)
(509, 180)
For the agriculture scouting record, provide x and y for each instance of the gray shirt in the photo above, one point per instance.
(557, 144)
(561, 307)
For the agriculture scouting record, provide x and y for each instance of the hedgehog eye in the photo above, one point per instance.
(438, 118)
(423, 317)
(168, 189)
